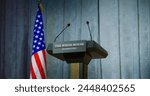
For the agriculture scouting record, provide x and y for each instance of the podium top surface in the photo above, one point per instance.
(75, 50)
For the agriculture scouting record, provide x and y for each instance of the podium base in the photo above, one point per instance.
(78, 71)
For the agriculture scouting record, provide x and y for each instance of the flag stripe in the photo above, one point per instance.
(39, 64)
(41, 57)
(33, 76)
(35, 68)
(44, 54)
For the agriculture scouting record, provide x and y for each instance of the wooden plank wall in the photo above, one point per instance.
(15, 50)
(122, 27)
(2, 35)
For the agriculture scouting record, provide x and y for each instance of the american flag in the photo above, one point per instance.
(38, 59)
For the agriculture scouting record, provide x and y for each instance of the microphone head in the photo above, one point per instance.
(87, 22)
(68, 24)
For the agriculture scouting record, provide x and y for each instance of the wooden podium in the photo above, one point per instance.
(78, 54)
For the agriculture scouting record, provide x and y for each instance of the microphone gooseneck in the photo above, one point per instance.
(62, 31)
(87, 22)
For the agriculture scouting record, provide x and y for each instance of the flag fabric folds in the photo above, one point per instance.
(38, 58)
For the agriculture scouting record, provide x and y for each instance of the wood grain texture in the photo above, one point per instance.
(74, 71)
(109, 38)
(54, 26)
(22, 37)
(144, 38)
(129, 39)
(20, 32)
(2, 35)
(10, 39)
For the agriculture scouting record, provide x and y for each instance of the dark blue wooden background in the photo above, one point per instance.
(122, 27)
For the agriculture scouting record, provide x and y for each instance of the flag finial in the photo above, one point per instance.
(39, 0)
(40, 4)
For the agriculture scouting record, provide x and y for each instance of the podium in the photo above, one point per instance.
(78, 54)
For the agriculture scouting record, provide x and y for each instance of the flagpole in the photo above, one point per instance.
(40, 4)
(39, 1)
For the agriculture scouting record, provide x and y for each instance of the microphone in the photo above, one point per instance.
(62, 31)
(87, 22)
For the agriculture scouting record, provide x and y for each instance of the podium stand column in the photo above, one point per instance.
(78, 71)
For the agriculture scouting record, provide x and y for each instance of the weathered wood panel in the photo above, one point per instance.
(54, 26)
(2, 35)
(10, 39)
(22, 37)
(129, 39)
(144, 38)
(20, 32)
(109, 38)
